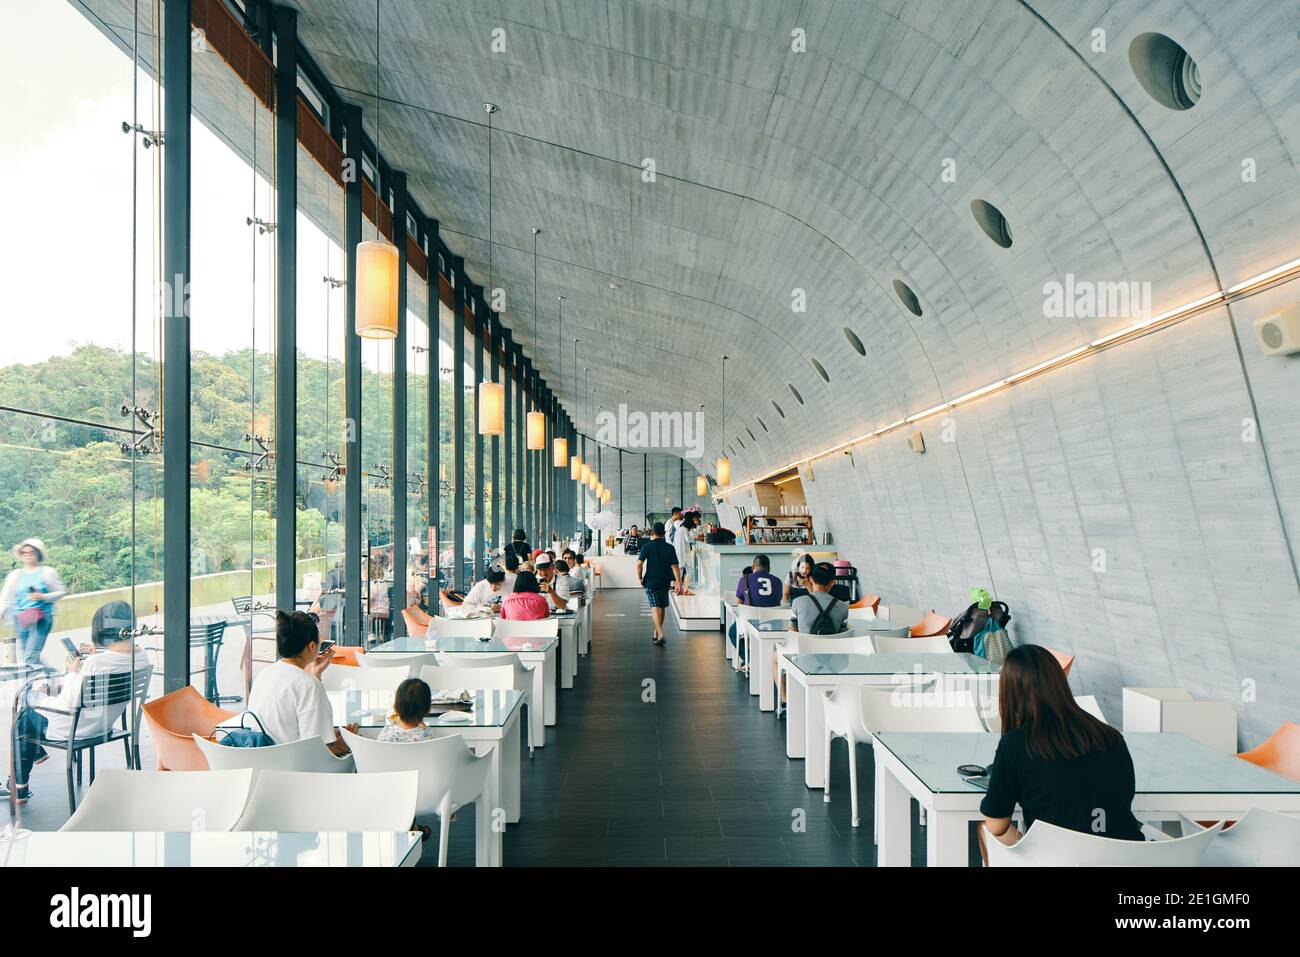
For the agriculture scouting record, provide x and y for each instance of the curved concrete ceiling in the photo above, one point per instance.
(821, 171)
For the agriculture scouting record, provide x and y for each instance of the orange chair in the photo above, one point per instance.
(1067, 661)
(867, 601)
(417, 622)
(1280, 753)
(173, 718)
(932, 624)
(346, 656)
(447, 603)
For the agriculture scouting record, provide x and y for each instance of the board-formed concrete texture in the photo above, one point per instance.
(1140, 508)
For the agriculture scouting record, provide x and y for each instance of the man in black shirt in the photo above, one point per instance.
(657, 568)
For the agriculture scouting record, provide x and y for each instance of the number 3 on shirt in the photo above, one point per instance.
(765, 586)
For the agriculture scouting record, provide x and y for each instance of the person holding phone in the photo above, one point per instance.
(27, 599)
(112, 650)
(288, 697)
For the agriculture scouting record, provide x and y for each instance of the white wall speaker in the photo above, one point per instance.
(915, 442)
(1279, 333)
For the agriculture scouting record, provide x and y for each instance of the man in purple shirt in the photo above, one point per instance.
(759, 588)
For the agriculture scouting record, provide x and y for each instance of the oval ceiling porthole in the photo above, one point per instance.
(854, 341)
(992, 221)
(794, 392)
(907, 297)
(1165, 70)
(762, 423)
(821, 370)
(779, 410)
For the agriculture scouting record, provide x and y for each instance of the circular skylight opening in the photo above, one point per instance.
(794, 392)
(992, 221)
(821, 370)
(854, 341)
(1165, 70)
(908, 298)
(779, 410)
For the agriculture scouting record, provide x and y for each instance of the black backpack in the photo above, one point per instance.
(822, 624)
(962, 632)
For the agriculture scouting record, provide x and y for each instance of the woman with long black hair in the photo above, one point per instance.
(1055, 760)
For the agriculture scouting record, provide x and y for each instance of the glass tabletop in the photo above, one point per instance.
(216, 849)
(893, 663)
(500, 646)
(1163, 763)
(370, 709)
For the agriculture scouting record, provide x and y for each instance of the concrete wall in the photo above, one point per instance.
(1138, 452)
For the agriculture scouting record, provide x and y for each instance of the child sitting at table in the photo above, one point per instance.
(410, 708)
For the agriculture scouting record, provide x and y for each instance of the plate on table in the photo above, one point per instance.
(455, 716)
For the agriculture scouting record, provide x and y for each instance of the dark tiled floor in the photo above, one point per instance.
(696, 776)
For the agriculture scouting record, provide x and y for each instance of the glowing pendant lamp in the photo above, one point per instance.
(724, 463)
(575, 463)
(491, 408)
(560, 444)
(585, 476)
(536, 420)
(376, 308)
(605, 496)
(701, 485)
(491, 395)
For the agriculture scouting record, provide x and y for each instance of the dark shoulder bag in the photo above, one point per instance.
(822, 624)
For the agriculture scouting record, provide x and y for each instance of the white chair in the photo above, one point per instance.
(309, 754)
(409, 663)
(1046, 845)
(304, 801)
(363, 679)
(450, 774)
(987, 698)
(903, 614)
(886, 645)
(800, 643)
(440, 627)
(541, 628)
(1089, 704)
(856, 712)
(523, 681)
(454, 677)
(862, 614)
(1262, 838)
(122, 800)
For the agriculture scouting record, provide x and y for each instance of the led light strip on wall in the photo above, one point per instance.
(1255, 284)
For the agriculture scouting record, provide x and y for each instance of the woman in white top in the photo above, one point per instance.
(288, 697)
(109, 653)
(28, 598)
(681, 543)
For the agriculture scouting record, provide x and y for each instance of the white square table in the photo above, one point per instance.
(811, 677)
(1173, 775)
(77, 849)
(538, 654)
(493, 729)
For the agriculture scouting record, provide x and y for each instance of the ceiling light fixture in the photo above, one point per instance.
(376, 260)
(491, 395)
(536, 420)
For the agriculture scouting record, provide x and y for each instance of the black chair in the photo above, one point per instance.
(209, 635)
(102, 692)
(848, 577)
